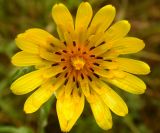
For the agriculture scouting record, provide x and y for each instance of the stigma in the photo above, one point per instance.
(78, 62)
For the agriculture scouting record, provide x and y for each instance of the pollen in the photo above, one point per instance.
(78, 63)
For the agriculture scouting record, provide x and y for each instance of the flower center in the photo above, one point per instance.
(78, 62)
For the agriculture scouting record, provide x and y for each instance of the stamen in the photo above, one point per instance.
(89, 78)
(92, 48)
(57, 75)
(55, 64)
(58, 53)
(52, 44)
(92, 55)
(91, 69)
(62, 59)
(99, 57)
(65, 81)
(65, 43)
(96, 75)
(74, 79)
(65, 75)
(64, 67)
(102, 43)
(77, 84)
(108, 60)
(72, 92)
(82, 76)
(64, 51)
(74, 43)
(96, 64)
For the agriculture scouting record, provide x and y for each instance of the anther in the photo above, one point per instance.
(65, 81)
(96, 75)
(82, 76)
(65, 43)
(52, 44)
(64, 67)
(72, 92)
(62, 59)
(92, 55)
(91, 69)
(96, 64)
(108, 60)
(55, 64)
(89, 78)
(58, 53)
(65, 75)
(57, 75)
(77, 84)
(92, 48)
(64, 51)
(99, 57)
(74, 43)
(74, 79)
(102, 43)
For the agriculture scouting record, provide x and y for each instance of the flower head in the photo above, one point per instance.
(81, 64)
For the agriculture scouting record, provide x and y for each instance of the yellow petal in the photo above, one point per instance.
(83, 17)
(129, 83)
(101, 112)
(41, 38)
(66, 102)
(44, 64)
(62, 17)
(118, 73)
(110, 98)
(49, 55)
(27, 83)
(69, 110)
(52, 71)
(100, 49)
(103, 73)
(60, 32)
(102, 20)
(59, 81)
(111, 54)
(132, 66)
(59, 85)
(59, 93)
(127, 45)
(26, 59)
(69, 86)
(39, 97)
(118, 30)
(26, 45)
(95, 39)
(108, 65)
(85, 87)
(69, 40)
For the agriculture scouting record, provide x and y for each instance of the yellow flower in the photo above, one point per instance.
(87, 57)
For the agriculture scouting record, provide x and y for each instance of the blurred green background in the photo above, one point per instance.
(144, 110)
